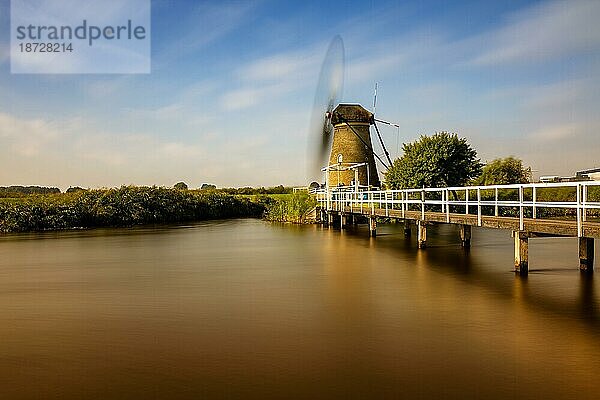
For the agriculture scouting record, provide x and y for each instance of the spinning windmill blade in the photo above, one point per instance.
(327, 96)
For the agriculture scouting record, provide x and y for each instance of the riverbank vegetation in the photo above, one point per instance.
(120, 207)
(296, 208)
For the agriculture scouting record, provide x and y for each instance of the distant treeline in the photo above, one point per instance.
(254, 191)
(118, 207)
(19, 191)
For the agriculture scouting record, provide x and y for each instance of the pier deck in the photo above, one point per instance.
(577, 217)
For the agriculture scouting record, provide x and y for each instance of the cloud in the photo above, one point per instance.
(181, 116)
(552, 127)
(200, 27)
(283, 66)
(28, 138)
(68, 152)
(556, 133)
(561, 95)
(367, 68)
(64, 153)
(269, 78)
(126, 150)
(272, 77)
(546, 31)
(250, 96)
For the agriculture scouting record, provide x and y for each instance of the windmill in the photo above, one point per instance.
(343, 130)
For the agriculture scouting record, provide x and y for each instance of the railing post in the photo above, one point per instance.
(585, 195)
(447, 206)
(478, 207)
(346, 201)
(361, 203)
(423, 205)
(496, 202)
(387, 212)
(534, 200)
(521, 222)
(579, 224)
(372, 200)
(466, 201)
(333, 202)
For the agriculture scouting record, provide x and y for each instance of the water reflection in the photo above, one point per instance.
(246, 309)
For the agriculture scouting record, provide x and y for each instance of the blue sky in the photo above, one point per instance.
(232, 85)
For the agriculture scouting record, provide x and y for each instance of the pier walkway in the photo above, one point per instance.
(570, 209)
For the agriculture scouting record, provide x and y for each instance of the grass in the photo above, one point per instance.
(289, 208)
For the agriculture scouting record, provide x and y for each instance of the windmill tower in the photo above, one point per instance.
(351, 154)
(343, 130)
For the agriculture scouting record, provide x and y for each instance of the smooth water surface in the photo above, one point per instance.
(246, 309)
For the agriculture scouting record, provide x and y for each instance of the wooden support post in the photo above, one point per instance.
(342, 220)
(407, 228)
(372, 226)
(421, 234)
(521, 252)
(586, 254)
(330, 219)
(465, 235)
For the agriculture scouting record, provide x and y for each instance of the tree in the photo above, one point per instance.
(440, 160)
(181, 186)
(75, 189)
(504, 171)
(207, 186)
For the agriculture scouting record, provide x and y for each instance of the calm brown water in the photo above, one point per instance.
(245, 309)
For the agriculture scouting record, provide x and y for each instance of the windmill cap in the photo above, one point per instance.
(351, 113)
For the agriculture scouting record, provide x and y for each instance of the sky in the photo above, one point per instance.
(232, 85)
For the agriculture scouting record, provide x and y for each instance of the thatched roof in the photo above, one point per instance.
(351, 113)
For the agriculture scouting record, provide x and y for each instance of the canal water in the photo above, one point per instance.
(251, 310)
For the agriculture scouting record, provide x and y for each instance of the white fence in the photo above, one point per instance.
(471, 200)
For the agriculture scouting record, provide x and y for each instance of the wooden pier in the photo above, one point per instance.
(481, 206)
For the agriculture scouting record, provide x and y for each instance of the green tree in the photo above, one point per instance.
(440, 160)
(181, 186)
(504, 171)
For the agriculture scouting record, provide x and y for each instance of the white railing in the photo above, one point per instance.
(468, 200)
